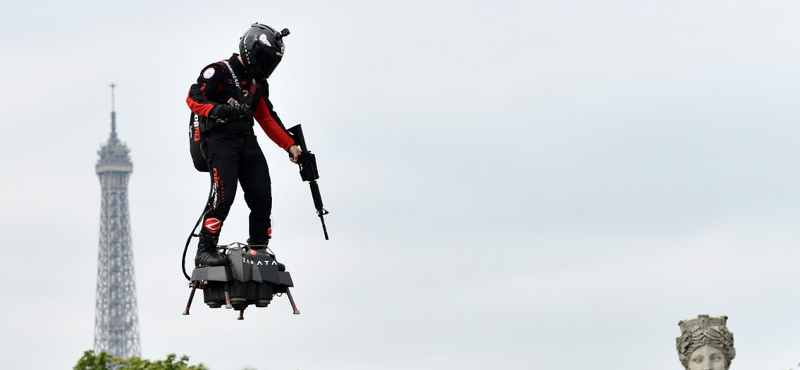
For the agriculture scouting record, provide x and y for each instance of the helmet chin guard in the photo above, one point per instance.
(261, 48)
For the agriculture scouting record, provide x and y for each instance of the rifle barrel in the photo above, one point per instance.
(324, 229)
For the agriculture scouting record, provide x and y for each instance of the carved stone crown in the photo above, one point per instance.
(703, 322)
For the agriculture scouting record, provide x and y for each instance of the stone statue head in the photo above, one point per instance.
(705, 343)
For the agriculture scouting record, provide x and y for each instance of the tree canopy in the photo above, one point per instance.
(103, 361)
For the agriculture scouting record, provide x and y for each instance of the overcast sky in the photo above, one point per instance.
(512, 184)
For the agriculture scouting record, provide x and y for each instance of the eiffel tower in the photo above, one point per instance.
(116, 321)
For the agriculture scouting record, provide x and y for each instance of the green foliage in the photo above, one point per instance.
(102, 361)
(90, 361)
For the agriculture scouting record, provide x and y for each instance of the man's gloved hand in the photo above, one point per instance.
(294, 153)
(240, 108)
(231, 110)
(222, 111)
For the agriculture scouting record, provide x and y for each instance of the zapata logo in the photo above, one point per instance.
(264, 40)
(253, 252)
(213, 225)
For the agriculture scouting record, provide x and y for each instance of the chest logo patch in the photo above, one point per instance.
(208, 73)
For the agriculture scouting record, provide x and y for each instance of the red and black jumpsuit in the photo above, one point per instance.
(231, 149)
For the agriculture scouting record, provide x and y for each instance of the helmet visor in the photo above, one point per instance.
(266, 60)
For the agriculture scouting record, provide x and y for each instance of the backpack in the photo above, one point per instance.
(196, 141)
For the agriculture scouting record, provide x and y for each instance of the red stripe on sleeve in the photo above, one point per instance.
(271, 127)
(201, 109)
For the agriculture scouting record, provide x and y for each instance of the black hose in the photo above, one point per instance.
(192, 233)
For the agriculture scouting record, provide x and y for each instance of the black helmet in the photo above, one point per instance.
(261, 49)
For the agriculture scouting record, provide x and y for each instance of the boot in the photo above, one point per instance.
(253, 243)
(262, 244)
(207, 254)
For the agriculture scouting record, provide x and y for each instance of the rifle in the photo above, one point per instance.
(308, 172)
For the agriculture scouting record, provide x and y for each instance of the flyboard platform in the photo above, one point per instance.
(252, 277)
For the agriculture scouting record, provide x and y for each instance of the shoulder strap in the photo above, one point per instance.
(252, 99)
(240, 95)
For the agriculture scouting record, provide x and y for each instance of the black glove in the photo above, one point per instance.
(222, 111)
(241, 109)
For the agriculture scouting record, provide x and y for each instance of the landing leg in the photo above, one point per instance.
(191, 297)
(227, 298)
(291, 300)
